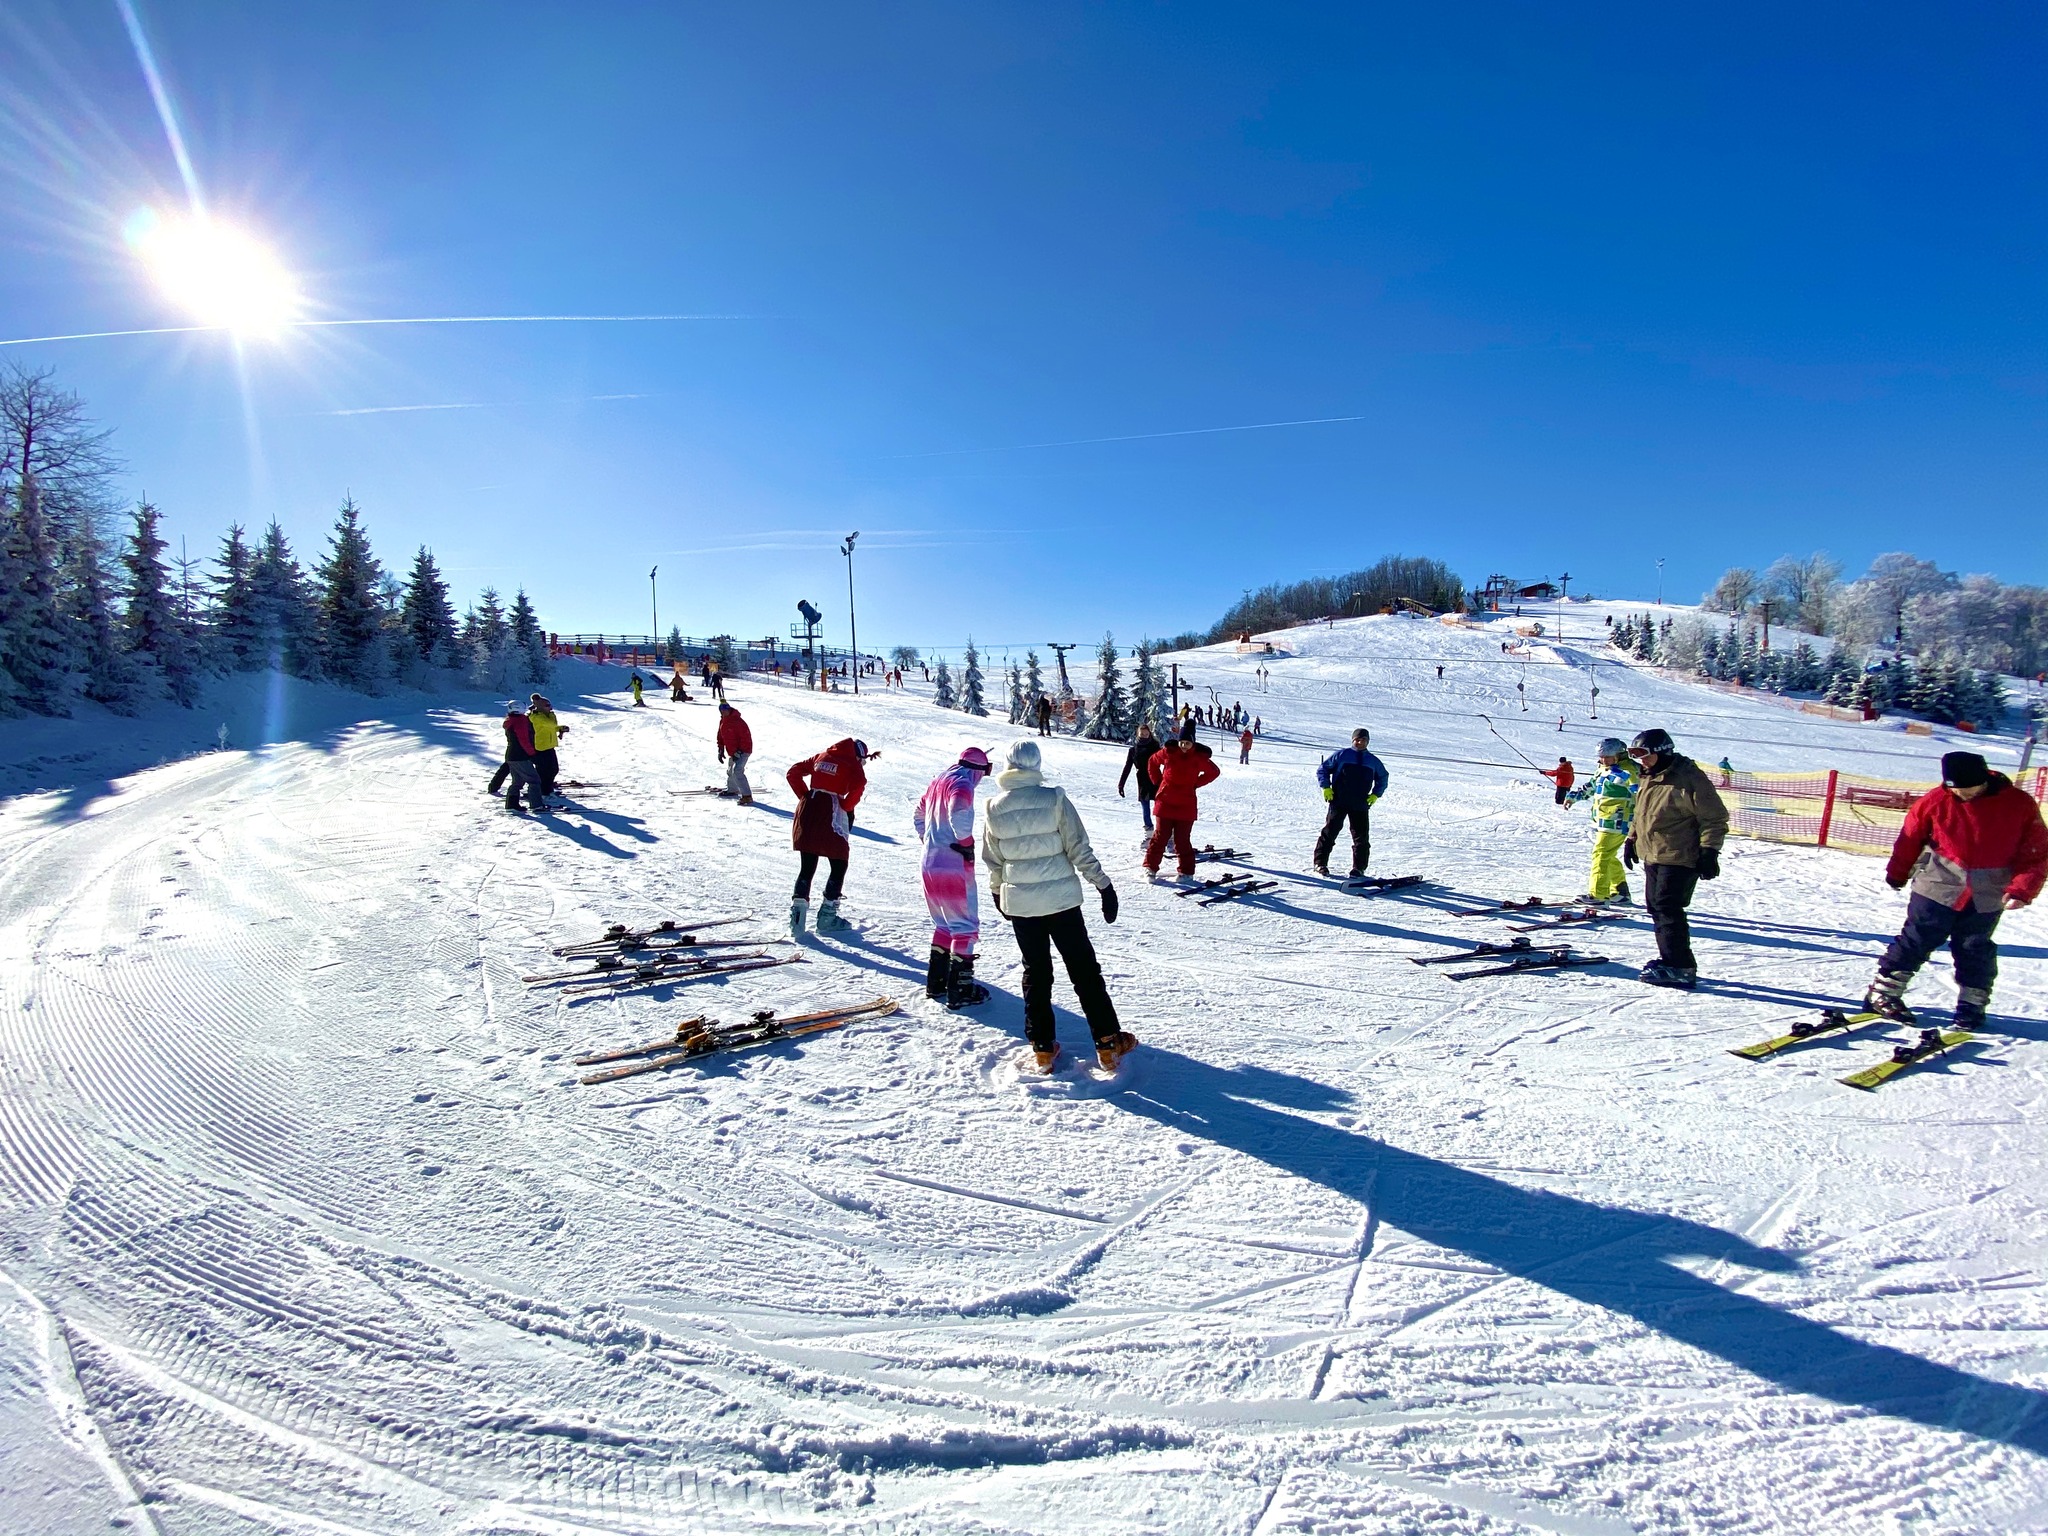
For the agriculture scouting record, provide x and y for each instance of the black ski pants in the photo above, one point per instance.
(1361, 835)
(807, 866)
(550, 768)
(498, 779)
(1929, 925)
(1667, 893)
(1037, 937)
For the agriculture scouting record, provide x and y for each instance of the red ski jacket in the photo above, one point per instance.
(518, 737)
(1972, 852)
(733, 735)
(829, 786)
(1179, 774)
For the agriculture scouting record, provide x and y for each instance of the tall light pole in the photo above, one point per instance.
(1564, 596)
(1660, 581)
(654, 602)
(852, 628)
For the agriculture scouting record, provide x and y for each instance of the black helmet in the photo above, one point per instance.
(1656, 741)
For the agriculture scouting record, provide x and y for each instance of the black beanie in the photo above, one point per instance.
(1187, 729)
(1964, 770)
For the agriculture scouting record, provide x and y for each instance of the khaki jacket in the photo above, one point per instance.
(1678, 812)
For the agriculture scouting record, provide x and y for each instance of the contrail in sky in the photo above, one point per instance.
(307, 325)
(1132, 437)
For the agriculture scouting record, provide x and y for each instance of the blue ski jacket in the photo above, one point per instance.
(1353, 777)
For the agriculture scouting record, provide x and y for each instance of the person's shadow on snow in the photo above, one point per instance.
(1609, 1257)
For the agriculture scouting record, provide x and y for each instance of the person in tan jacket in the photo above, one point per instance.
(1679, 827)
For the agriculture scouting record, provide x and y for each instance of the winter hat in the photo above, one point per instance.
(723, 706)
(974, 757)
(860, 750)
(1187, 729)
(1024, 755)
(1964, 770)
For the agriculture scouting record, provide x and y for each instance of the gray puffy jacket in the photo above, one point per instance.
(1035, 848)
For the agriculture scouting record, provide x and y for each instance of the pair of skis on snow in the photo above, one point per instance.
(1570, 914)
(1226, 888)
(1517, 956)
(667, 934)
(1929, 1044)
(697, 1038)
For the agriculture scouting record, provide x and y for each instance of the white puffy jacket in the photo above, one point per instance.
(1035, 848)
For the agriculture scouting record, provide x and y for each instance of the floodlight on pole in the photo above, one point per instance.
(852, 626)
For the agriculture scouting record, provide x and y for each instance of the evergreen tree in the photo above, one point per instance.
(1145, 685)
(33, 655)
(1863, 694)
(970, 683)
(1988, 700)
(1623, 636)
(283, 612)
(1646, 647)
(1016, 694)
(1748, 663)
(490, 643)
(674, 644)
(1034, 681)
(351, 615)
(426, 615)
(726, 654)
(942, 686)
(151, 626)
(1709, 662)
(528, 641)
(1802, 671)
(231, 605)
(86, 609)
(1110, 720)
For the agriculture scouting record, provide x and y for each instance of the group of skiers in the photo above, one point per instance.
(531, 763)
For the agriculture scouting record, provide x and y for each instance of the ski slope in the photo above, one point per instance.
(306, 1227)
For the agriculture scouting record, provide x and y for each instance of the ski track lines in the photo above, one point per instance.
(300, 1171)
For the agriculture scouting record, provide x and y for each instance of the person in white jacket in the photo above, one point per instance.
(1037, 854)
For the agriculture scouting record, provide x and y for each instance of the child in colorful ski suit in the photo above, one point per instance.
(1613, 793)
(944, 819)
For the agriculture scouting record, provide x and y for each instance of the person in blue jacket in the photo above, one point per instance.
(1352, 780)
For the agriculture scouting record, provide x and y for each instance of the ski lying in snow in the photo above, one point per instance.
(701, 1037)
(1232, 892)
(1209, 854)
(1483, 952)
(1932, 1043)
(1221, 882)
(665, 932)
(657, 975)
(1828, 1020)
(709, 789)
(602, 964)
(1543, 960)
(1566, 920)
(1372, 885)
(1504, 906)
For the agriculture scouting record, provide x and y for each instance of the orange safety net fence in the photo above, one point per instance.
(1830, 809)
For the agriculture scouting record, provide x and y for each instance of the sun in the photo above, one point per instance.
(218, 274)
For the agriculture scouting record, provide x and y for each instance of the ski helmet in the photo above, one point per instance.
(1656, 741)
(1613, 746)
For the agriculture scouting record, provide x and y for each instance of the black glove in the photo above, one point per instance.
(1897, 885)
(1709, 865)
(1109, 904)
(965, 850)
(1628, 853)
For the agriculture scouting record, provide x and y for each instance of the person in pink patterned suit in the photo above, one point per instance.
(944, 819)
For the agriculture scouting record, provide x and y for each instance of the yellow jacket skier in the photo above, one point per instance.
(1613, 793)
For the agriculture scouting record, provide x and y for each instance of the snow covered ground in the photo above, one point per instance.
(308, 1228)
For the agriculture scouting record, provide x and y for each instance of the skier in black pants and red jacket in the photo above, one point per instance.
(521, 762)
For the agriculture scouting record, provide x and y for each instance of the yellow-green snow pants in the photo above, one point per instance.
(1607, 871)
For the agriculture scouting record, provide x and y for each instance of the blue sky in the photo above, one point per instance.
(1599, 284)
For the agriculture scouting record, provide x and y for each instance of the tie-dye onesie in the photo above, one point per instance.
(945, 820)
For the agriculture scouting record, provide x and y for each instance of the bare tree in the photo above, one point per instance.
(1804, 586)
(1734, 592)
(46, 434)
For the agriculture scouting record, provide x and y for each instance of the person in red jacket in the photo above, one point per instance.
(827, 788)
(1565, 775)
(521, 761)
(1179, 768)
(735, 746)
(1972, 849)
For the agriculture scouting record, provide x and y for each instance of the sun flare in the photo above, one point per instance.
(218, 274)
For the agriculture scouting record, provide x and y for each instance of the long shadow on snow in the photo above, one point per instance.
(1616, 1259)
(583, 837)
(908, 969)
(613, 821)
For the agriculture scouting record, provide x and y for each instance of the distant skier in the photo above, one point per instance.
(944, 819)
(827, 788)
(1679, 826)
(1044, 715)
(1727, 773)
(1178, 770)
(1353, 781)
(1613, 793)
(1037, 854)
(735, 746)
(1143, 745)
(714, 679)
(637, 686)
(547, 734)
(1244, 745)
(519, 763)
(1565, 775)
(678, 685)
(1972, 849)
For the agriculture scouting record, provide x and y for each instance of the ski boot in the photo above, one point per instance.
(746, 799)
(962, 990)
(1658, 974)
(1321, 869)
(1887, 996)
(1114, 1048)
(937, 972)
(1047, 1057)
(829, 920)
(1970, 1005)
(798, 909)
(1621, 897)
